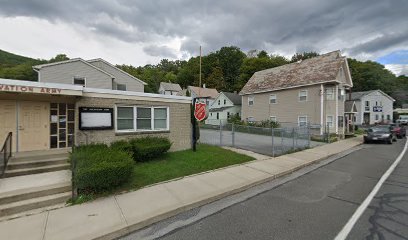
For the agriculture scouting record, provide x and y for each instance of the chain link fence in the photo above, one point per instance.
(268, 141)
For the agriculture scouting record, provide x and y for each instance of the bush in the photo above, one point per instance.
(148, 148)
(122, 145)
(99, 168)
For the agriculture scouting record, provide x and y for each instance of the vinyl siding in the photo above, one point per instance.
(120, 77)
(372, 98)
(64, 73)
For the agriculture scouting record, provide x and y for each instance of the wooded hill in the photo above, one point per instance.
(227, 69)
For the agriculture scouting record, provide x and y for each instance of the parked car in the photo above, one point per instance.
(381, 133)
(399, 130)
(403, 119)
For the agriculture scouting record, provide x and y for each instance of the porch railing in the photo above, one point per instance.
(5, 153)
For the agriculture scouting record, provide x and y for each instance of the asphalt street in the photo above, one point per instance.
(254, 142)
(319, 203)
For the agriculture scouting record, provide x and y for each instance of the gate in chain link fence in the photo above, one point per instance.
(267, 141)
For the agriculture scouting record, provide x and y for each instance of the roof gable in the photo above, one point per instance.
(116, 68)
(357, 96)
(317, 70)
(170, 86)
(38, 67)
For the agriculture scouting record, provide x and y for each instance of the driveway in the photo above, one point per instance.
(256, 143)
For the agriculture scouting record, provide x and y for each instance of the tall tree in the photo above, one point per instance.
(230, 61)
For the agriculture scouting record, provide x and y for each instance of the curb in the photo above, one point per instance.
(137, 226)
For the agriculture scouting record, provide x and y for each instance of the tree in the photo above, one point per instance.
(302, 56)
(59, 58)
(230, 60)
(263, 54)
(215, 79)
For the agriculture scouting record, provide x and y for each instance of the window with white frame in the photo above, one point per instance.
(135, 118)
(225, 101)
(272, 99)
(329, 121)
(367, 106)
(251, 101)
(79, 81)
(302, 95)
(302, 121)
(273, 118)
(330, 94)
(219, 102)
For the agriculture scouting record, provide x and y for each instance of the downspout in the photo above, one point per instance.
(321, 108)
(337, 109)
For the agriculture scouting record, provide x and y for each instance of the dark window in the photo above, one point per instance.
(121, 87)
(225, 101)
(79, 81)
(54, 141)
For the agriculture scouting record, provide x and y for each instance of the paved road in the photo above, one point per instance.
(316, 205)
(254, 142)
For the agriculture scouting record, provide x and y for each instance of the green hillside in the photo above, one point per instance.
(14, 66)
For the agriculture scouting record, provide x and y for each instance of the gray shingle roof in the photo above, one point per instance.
(323, 68)
(350, 107)
(359, 95)
(170, 86)
(235, 98)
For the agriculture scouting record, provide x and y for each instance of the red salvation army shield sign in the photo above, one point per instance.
(199, 110)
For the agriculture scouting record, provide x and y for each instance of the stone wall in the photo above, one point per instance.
(179, 131)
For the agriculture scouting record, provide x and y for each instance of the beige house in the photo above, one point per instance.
(167, 88)
(95, 73)
(311, 91)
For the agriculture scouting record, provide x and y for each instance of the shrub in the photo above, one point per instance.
(148, 148)
(122, 145)
(99, 168)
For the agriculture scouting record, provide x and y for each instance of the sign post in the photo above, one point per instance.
(199, 115)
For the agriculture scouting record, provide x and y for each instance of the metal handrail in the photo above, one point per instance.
(6, 153)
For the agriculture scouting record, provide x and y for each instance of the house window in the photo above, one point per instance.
(250, 101)
(225, 101)
(219, 102)
(330, 94)
(377, 117)
(367, 106)
(302, 121)
(302, 95)
(133, 118)
(218, 115)
(79, 81)
(121, 87)
(388, 117)
(124, 119)
(340, 121)
(251, 119)
(228, 114)
(272, 99)
(272, 118)
(329, 121)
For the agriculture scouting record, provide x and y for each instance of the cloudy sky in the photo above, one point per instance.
(138, 32)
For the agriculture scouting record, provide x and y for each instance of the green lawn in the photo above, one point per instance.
(183, 163)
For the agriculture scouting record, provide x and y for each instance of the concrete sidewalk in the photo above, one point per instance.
(118, 215)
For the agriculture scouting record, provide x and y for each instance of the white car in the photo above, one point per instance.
(403, 119)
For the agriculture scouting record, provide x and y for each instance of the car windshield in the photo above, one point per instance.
(405, 117)
(379, 130)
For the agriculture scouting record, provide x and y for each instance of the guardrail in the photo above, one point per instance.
(5, 153)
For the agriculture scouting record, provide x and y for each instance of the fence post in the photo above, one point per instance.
(273, 144)
(233, 134)
(220, 133)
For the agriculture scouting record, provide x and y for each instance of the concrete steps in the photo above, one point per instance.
(35, 170)
(35, 181)
(33, 203)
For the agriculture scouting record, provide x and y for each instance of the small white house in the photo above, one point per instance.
(226, 104)
(166, 88)
(373, 107)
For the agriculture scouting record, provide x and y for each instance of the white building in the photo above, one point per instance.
(169, 88)
(225, 105)
(373, 107)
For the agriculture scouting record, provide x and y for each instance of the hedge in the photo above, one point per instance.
(100, 168)
(148, 148)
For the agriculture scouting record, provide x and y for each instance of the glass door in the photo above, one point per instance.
(62, 125)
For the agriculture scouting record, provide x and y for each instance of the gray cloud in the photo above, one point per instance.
(355, 26)
(160, 51)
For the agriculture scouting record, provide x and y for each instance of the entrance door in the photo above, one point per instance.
(8, 121)
(33, 126)
(366, 118)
